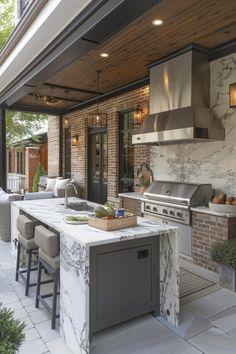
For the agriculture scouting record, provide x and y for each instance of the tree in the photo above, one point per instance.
(39, 172)
(20, 125)
(7, 20)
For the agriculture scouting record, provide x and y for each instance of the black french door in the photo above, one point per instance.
(97, 166)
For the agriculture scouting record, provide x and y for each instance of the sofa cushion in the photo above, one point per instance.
(5, 197)
(38, 195)
(60, 184)
(50, 184)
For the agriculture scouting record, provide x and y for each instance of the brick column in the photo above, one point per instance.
(32, 159)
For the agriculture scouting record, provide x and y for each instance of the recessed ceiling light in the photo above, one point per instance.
(104, 55)
(157, 22)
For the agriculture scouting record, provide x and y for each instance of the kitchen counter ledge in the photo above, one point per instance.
(206, 210)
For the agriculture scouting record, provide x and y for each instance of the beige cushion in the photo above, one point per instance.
(26, 226)
(27, 244)
(47, 240)
(50, 184)
(60, 184)
(54, 262)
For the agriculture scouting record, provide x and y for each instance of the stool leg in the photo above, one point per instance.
(28, 273)
(38, 284)
(18, 261)
(54, 299)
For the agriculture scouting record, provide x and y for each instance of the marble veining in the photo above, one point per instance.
(75, 243)
(207, 162)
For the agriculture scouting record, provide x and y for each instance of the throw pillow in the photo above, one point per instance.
(50, 184)
(60, 184)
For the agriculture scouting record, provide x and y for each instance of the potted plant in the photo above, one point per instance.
(11, 332)
(225, 255)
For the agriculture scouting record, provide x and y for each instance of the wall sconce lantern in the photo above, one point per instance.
(232, 95)
(140, 113)
(75, 140)
(66, 123)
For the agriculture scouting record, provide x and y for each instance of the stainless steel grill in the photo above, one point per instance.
(170, 203)
(173, 199)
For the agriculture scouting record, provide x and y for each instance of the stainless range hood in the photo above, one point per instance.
(179, 103)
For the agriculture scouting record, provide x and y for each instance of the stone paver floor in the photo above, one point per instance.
(208, 324)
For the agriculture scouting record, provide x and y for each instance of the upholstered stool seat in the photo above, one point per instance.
(26, 228)
(48, 243)
(27, 244)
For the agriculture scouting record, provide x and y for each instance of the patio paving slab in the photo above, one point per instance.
(207, 324)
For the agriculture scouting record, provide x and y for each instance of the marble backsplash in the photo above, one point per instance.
(208, 162)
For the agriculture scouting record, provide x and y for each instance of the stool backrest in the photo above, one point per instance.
(26, 226)
(47, 240)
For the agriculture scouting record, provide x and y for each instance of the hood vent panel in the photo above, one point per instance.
(179, 101)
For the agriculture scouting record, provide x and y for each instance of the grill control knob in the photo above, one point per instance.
(155, 209)
(172, 213)
(148, 207)
(165, 211)
(179, 214)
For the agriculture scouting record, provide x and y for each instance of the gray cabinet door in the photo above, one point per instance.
(124, 281)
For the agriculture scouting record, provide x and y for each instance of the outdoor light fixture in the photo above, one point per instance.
(104, 55)
(157, 22)
(140, 113)
(97, 119)
(232, 95)
(75, 140)
(66, 122)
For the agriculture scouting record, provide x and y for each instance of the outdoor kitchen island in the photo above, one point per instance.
(77, 244)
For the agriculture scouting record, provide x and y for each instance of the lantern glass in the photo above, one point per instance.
(232, 95)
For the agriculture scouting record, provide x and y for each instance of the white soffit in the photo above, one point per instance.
(53, 18)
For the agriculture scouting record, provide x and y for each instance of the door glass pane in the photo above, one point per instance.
(96, 151)
(126, 158)
(105, 155)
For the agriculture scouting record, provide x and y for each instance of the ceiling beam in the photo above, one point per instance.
(67, 88)
(118, 91)
(36, 109)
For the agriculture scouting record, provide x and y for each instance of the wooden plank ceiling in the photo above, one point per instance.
(208, 23)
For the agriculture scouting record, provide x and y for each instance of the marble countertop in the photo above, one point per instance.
(131, 195)
(206, 210)
(52, 211)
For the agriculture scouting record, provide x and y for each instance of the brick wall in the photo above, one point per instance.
(78, 123)
(208, 229)
(53, 146)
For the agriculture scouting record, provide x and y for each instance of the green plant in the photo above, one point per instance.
(224, 253)
(40, 171)
(110, 207)
(11, 332)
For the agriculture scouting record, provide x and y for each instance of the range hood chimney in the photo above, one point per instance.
(179, 103)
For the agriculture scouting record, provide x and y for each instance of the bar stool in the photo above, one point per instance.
(48, 243)
(26, 228)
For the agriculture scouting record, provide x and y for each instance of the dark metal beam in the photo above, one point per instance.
(223, 50)
(73, 89)
(36, 109)
(47, 97)
(118, 91)
(3, 163)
